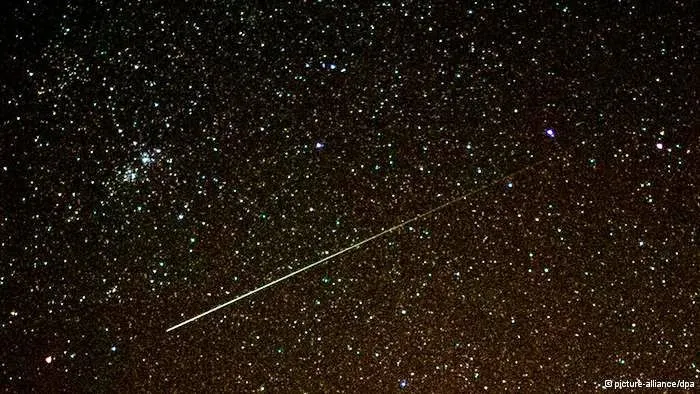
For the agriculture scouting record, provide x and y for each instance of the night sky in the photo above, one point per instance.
(160, 158)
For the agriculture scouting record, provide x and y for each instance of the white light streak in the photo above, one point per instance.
(349, 248)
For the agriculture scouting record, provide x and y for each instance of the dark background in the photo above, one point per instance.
(160, 158)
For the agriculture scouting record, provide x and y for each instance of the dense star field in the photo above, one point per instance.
(160, 158)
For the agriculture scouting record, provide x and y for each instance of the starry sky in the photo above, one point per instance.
(160, 158)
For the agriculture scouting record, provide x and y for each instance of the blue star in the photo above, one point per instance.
(551, 133)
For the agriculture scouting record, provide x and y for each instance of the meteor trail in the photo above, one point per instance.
(357, 245)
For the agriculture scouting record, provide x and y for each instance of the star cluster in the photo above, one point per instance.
(160, 158)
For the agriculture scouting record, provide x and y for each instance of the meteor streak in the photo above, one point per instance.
(354, 246)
